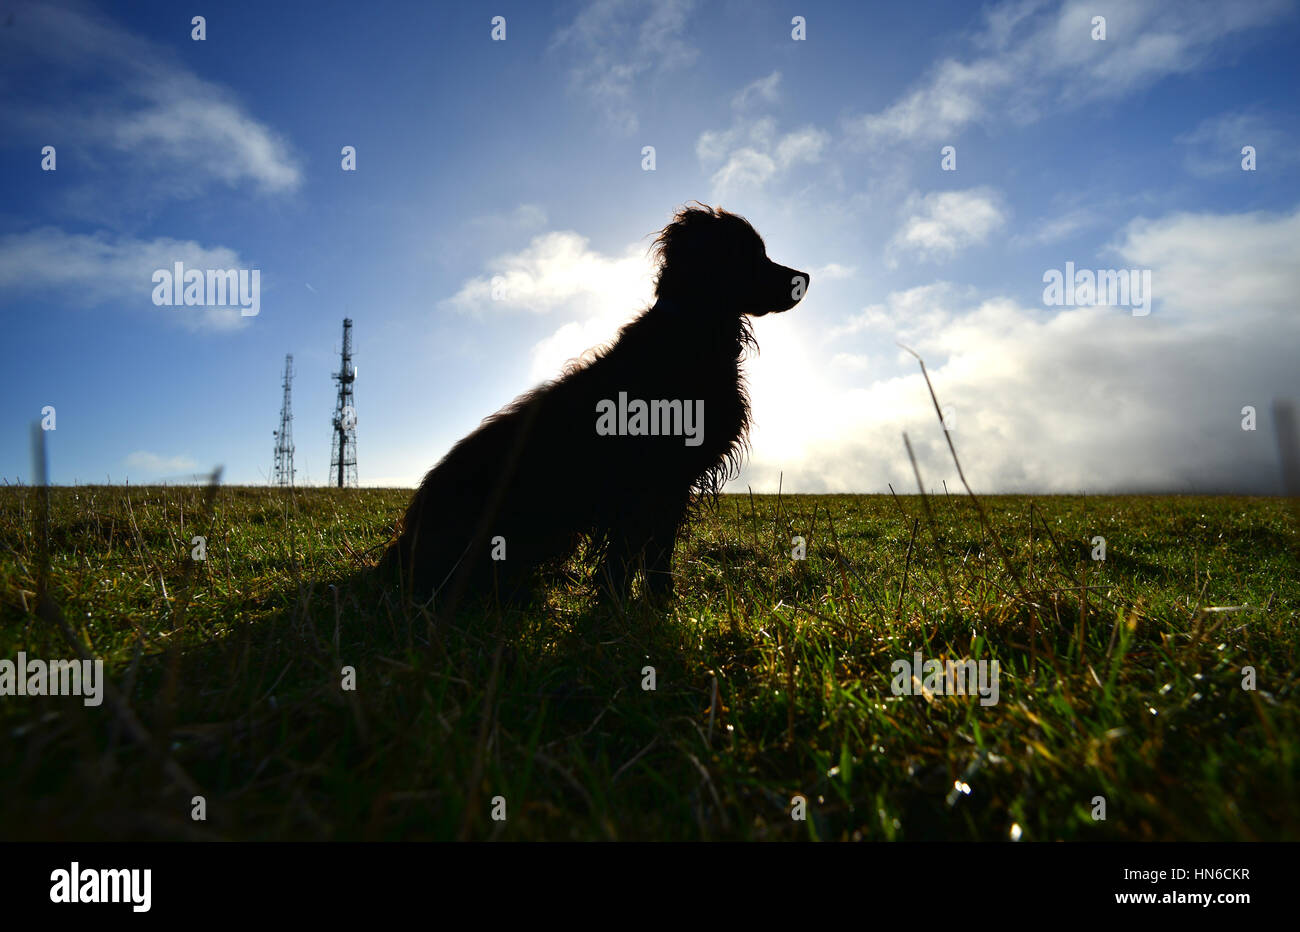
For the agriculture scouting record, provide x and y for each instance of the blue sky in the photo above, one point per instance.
(522, 161)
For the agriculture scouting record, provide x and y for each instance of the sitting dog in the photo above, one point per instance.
(615, 451)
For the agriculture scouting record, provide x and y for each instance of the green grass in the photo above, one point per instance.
(232, 668)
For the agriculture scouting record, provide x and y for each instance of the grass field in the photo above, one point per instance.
(773, 676)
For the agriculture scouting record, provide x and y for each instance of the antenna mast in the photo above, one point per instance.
(343, 447)
(283, 472)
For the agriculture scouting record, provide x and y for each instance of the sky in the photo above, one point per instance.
(931, 165)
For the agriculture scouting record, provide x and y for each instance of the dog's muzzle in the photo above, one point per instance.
(788, 286)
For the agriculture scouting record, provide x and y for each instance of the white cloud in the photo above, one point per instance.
(152, 464)
(1214, 146)
(751, 153)
(522, 217)
(1039, 59)
(620, 47)
(177, 132)
(833, 271)
(929, 305)
(1219, 271)
(187, 123)
(761, 90)
(942, 223)
(553, 271)
(1051, 400)
(1057, 227)
(856, 361)
(559, 273)
(955, 95)
(103, 267)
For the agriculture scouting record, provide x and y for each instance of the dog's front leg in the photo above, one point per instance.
(630, 550)
(642, 541)
(658, 550)
(614, 575)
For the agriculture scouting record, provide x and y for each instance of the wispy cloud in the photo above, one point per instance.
(1058, 227)
(761, 91)
(942, 223)
(924, 305)
(955, 95)
(151, 120)
(1214, 146)
(559, 273)
(99, 268)
(553, 271)
(751, 154)
(1032, 59)
(1228, 271)
(833, 271)
(620, 48)
(152, 464)
(523, 217)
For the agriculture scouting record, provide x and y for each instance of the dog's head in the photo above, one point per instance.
(708, 255)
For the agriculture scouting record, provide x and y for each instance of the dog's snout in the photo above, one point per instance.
(788, 287)
(799, 282)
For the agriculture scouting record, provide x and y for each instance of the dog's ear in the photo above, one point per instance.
(704, 250)
(682, 249)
